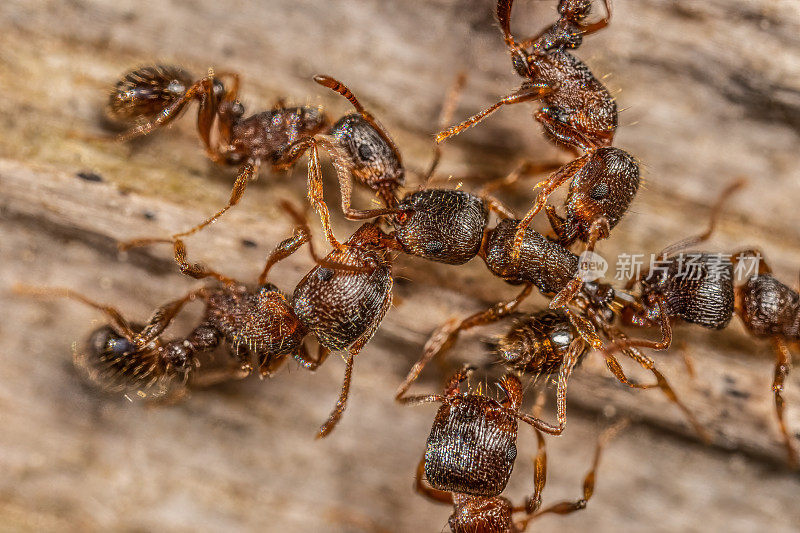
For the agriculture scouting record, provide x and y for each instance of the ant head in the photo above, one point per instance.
(574, 10)
(472, 446)
(441, 225)
(367, 154)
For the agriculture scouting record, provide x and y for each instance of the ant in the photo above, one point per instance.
(341, 301)
(470, 454)
(550, 267)
(361, 147)
(578, 111)
(256, 325)
(770, 309)
(701, 291)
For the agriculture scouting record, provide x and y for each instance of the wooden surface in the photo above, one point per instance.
(711, 92)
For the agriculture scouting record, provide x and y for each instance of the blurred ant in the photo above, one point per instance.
(578, 111)
(770, 309)
(470, 454)
(256, 325)
(360, 146)
(340, 302)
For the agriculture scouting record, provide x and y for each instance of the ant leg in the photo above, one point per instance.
(565, 507)
(201, 88)
(438, 496)
(782, 365)
(341, 403)
(585, 329)
(209, 378)
(668, 391)
(445, 117)
(599, 229)
(450, 390)
(529, 91)
(496, 206)
(196, 270)
(558, 178)
(163, 316)
(523, 170)
(712, 222)
(247, 172)
(556, 221)
(445, 336)
(305, 360)
(588, 29)
(613, 365)
(315, 196)
(576, 348)
(50, 292)
(271, 364)
(284, 249)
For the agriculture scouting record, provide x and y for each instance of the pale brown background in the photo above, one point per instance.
(711, 91)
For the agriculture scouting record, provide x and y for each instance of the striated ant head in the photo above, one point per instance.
(472, 445)
(369, 153)
(441, 225)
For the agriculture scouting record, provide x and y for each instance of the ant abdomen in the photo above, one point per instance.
(538, 343)
(145, 92)
(370, 157)
(472, 446)
(548, 265)
(696, 287)
(261, 320)
(115, 364)
(769, 308)
(441, 225)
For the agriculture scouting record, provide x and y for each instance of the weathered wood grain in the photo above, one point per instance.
(712, 92)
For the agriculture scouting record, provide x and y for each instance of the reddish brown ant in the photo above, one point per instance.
(341, 301)
(361, 147)
(470, 454)
(770, 309)
(578, 110)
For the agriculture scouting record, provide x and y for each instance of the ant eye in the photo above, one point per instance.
(511, 454)
(324, 274)
(599, 191)
(237, 109)
(365, 152)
